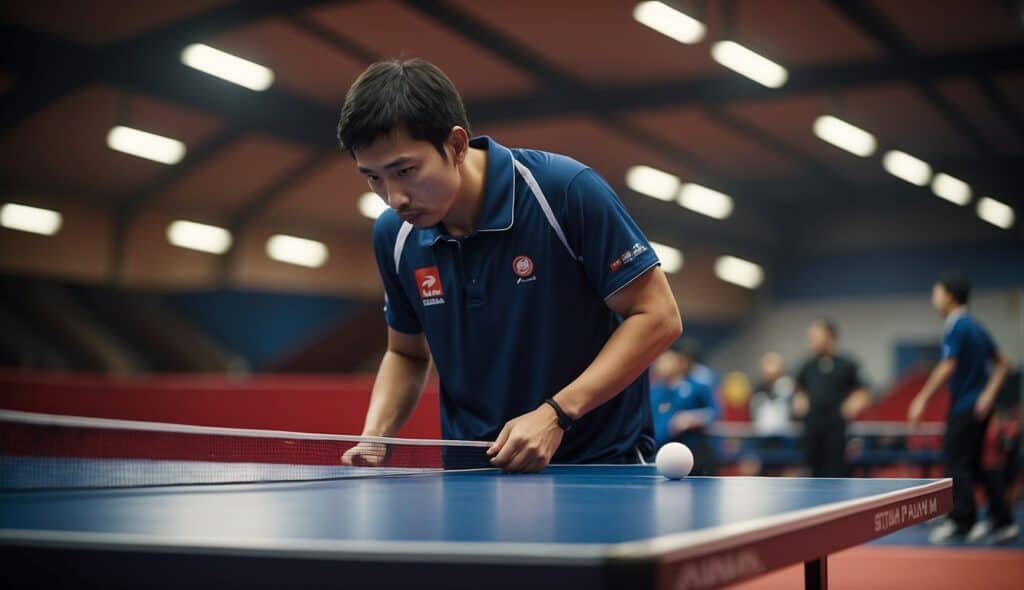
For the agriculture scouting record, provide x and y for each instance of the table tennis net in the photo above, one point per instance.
(44, 451)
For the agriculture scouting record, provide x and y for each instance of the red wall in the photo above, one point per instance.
(305, 403)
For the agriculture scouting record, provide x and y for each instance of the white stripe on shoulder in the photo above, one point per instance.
(403, 235)
(543, 201)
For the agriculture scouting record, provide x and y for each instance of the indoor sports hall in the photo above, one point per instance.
(512, 294)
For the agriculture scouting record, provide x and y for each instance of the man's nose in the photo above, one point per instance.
(396, 198)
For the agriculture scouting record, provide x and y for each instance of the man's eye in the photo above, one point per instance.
(406, 171)
(372, 178)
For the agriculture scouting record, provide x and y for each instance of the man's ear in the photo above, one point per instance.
(458, 140)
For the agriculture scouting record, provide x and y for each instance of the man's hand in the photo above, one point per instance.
(366, 454)
(686, 421)
(801, 404)
(916, 409)
(855, 403)
(527, 443)
(983, 407)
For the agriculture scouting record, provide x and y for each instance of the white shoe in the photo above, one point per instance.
(978, 531)
(1005, 533)
(944, 533)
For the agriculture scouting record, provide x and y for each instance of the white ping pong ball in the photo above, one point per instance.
(674, 460)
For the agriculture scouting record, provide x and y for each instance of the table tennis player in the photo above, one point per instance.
(519, 272)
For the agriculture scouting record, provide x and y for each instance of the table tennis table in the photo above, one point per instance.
(568, 527)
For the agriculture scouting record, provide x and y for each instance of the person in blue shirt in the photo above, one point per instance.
(975, 370)
(684, 407)
(517, 271)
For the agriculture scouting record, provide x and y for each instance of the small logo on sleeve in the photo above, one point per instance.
(627, 257)
(428, 279)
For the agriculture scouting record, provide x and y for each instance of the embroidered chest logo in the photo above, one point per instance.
(523, 267)
(428, 280)
(627, 257)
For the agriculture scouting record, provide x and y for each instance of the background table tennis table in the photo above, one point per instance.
(568, 527)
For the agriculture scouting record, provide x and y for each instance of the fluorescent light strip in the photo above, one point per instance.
(371, 205)
(671, 258)
(906, 167)
(30, 219)
(705, 201)
(670, 22)
(996, 212)
(228, 67)
(145, 145)
(298, 251)
(739, 272)
(845, 136)
(652, 182)
(749, 63)
(952, 189)
(199, 236)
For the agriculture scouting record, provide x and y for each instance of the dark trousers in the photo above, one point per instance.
(825, 449)
(965, 436)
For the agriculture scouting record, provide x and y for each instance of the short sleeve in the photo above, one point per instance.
(856, 380)
(952, 342)
(613, 249)
(801, 377)
(398, 313)
(993, 348)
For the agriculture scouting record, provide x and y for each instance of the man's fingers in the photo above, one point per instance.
(506, 457)
(524, 460)
(499, 442)
(536, 466)
(365, 455)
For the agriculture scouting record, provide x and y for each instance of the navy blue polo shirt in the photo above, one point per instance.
(969, 343)
(515, 311)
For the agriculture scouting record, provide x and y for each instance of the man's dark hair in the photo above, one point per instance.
(413, 94)
(957, 285)
(830, 326)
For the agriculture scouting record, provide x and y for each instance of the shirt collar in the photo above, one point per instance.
(498, 211)
(955, 315)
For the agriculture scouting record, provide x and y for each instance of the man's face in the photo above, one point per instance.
(411, 176)
(818, 338)
(941, 299)
(771, 366)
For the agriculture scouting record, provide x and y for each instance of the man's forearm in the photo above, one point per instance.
(938, 376)
(631, 348)
(995, 381)
(396, 392)
(855, 403)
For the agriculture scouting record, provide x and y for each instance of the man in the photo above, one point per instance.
(684, 407)
(829, 394)
(518, 271)
(967, 352)
(771, 405)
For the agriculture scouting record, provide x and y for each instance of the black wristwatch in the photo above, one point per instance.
(564, 421)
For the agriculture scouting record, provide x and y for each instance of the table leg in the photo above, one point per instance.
(816, 574)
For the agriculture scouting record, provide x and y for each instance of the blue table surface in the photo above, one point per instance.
(564, 504)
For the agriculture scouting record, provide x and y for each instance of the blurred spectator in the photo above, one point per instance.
(699, 371)
(771, 405)
(683, 407)
(829, 394)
